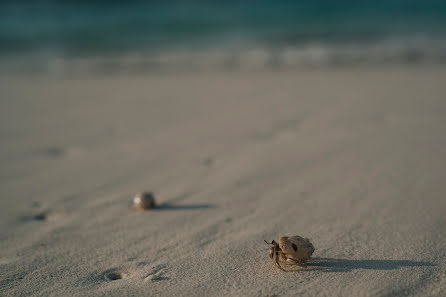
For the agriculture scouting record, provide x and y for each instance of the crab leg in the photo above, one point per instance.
(276, 259)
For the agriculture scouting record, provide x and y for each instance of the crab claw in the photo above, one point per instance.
(271, 253)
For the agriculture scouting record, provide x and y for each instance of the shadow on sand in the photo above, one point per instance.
(344, 265)
(171, 206)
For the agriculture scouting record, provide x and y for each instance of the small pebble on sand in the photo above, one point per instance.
(144, 201)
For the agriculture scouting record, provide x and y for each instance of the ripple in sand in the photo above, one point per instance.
(40, 217)
(56, 152)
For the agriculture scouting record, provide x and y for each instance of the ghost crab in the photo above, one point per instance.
(295, 250)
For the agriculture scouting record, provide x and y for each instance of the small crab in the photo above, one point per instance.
(295, 250)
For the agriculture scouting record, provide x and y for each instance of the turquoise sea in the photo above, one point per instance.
(156, 35)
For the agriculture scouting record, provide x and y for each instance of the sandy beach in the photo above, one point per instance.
(353, 158)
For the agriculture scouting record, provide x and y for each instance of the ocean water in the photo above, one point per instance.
(176, 35)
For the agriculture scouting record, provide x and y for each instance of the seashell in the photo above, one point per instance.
(295, 250)
(144, 201)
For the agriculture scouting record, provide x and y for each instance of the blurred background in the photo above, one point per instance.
(107, 36)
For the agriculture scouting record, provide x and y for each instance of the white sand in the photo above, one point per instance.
(354, 159)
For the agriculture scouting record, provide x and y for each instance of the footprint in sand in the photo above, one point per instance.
(35, 204)
(208, 162)
(37, 216)
(57, 152)
(53, 152)
(155, 277)
(114, 274)
(40, 216)
(156, 274)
